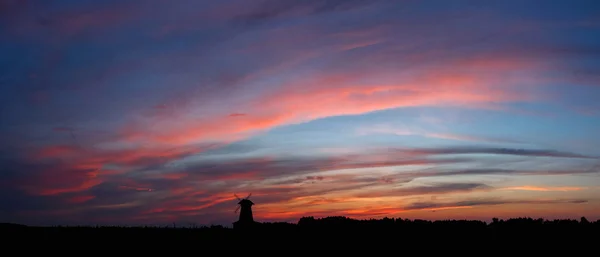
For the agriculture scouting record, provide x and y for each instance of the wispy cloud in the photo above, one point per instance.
(415, 131)
(513, 172)
(471, 138)
(500, 151)
(484, 202)
(441, 188)
(544, 188)
(272, 10)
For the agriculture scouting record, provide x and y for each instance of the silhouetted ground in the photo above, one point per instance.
(331, 233)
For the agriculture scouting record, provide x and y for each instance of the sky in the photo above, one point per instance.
(158, 112)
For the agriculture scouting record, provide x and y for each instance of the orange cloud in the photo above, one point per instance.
(372, 212)
(442, 188)
(361, 212)
(486, 208)
(447, 208)
(280, 215)
(544, 189)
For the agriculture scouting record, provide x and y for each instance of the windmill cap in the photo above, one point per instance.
(245, 201)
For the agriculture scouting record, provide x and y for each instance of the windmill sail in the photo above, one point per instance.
(245, 209)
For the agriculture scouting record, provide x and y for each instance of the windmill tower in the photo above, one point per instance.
(246, 218)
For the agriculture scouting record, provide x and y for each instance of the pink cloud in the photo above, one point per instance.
(309, 99)
(82, 169)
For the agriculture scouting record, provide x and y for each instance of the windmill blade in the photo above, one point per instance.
(237, 209)
(236, 196)
(248, 196)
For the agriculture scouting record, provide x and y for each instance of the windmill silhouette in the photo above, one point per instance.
(246, 218)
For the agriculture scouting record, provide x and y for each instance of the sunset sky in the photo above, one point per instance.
(154, 112)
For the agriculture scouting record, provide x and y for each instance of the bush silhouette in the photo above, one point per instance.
(313, 232)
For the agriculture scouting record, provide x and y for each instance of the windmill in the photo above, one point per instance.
(245, 213)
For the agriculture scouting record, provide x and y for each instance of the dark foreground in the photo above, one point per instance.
(332, 233)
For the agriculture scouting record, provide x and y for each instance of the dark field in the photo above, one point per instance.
(331, 233)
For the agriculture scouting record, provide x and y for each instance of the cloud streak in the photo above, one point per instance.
(544, 189)
(485, 202)
(441, 188)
